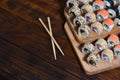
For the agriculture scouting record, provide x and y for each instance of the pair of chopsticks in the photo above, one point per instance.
(53, 41)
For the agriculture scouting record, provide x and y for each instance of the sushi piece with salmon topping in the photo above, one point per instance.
(71, 3)
(107, 55)
(98, 4)
(102, 14)
(86, 8)
(90, 17)
(79, 20)
(108, 24)
(101, 44)
(117, 50)
(97, 27)
(113, 40)
(74, 11)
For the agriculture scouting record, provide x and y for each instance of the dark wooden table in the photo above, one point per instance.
(25, 47)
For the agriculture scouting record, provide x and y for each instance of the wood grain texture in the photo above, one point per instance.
(25, 47)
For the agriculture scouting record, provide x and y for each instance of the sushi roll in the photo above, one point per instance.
(117, 21)
(107, 55)
(88, 48)
(113, 40)
(98, 4)
(82, 2)
(114, 11)
(79, 20)
(71, 3)
(101, 44)
(97, 27)
(93, 59)
(90, 17)
(108, 24)
(84, 31)
(74, 11)
(102, 14)
(117, 50)
(110, 3)
(86, 8)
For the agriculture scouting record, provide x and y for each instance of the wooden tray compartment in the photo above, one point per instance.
(89, 69)
(92, 35)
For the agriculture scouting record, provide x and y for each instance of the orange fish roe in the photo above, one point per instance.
(117, 46)
(103, 12)
(113, 38)
(99, 2)
(108, 22)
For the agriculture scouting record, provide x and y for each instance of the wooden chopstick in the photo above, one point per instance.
(51, 36)
(53, 46)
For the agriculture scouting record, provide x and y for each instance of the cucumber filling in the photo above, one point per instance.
(86, 50)
(77, 23)
(97, 7)
(100, 17)
(106, 27)
(111, 43)
(118, 53)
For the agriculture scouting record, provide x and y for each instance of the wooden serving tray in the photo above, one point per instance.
(89, 69)
(92, 35)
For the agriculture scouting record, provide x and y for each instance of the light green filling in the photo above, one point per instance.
(118, 53)
(106, 26)
(97, 7)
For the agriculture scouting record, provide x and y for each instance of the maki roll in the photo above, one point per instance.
(108, 24)
(82, 2)
(101, 44)
(117, 50)
(93, 59)
(117, 21)
(97, 27)
(84, 31)
(112, 40)
(98, 4)
(71, 3)
(110, 3)
(86, 8)
(90, 17)
(74, 11)
(102, 14)
(88, 48)
(79, 20)
(107, 55)
(114, 11)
